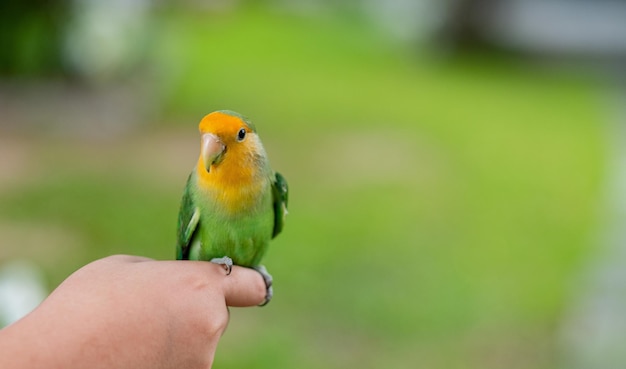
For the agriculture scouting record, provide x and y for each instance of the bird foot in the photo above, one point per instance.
(268, 283)
(226, 262)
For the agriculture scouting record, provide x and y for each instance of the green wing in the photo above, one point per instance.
(188, 217)
(280, 196)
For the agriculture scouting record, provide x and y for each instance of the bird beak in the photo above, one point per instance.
(212, 150)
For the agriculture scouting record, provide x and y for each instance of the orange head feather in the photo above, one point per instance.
(232, 158)
(224, 122)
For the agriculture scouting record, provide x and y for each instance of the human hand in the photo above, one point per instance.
(132, 312)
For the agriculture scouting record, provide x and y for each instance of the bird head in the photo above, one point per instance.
(226, 136)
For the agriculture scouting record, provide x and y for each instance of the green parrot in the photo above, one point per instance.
(233, 203)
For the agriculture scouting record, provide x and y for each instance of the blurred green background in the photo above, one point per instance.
(442, 205)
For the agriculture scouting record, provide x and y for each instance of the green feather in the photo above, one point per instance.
(280, 198)
(188, 217)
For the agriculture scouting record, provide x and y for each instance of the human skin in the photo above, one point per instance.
(131, 312)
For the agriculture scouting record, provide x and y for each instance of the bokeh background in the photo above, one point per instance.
(455, 167)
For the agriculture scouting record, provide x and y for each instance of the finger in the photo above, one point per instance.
(126, 258)
(244, 287)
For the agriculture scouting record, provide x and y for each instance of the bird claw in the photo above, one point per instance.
(267, 278)
(226, 262)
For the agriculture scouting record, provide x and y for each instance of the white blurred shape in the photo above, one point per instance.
(407, 20)
(21, 290)
(105, 37)
(594, 329)
(561, 26)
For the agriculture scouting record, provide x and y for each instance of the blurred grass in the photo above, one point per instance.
(438, 211)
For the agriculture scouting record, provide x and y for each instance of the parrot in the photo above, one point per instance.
(233, 203)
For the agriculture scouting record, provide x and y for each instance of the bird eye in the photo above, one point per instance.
(241, 134)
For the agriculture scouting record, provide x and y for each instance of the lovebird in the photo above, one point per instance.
(233, 203)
